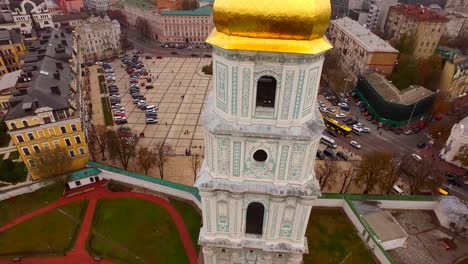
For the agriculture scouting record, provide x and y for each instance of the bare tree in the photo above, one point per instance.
(462, 156)
(348, 176)
(52, 162)
(98, 137)
(122, 148)
(421, 175)
(370, 170)
(459, 223)
(146, 158)
(196, 163)
(162, 151)
(326, 172)
(391, 174)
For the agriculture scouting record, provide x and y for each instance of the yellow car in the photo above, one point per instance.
(442, 191)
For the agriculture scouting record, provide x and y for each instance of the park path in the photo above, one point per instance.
(79, 255)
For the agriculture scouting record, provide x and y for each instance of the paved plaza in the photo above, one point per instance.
(180, 90)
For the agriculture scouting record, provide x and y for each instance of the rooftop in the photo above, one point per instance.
(84, 173)
(420, 13)
(206, 10)
(12, 35)
(385, 225)
(9, 80)
(94, 24)
(141, 4)
(365, 37)
(390, 93)
(69, 17)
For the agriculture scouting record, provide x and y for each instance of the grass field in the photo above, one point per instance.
(108, 120)
(192, 219)
(333, 239)
(20, 205)
(14, 155)
(135, 231)
(52, 232)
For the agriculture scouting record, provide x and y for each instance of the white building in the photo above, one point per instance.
(457, 24)
(262, 130)
(457, 142)
(371, 14)
(97, 5)
(99, 38)
(22, 17)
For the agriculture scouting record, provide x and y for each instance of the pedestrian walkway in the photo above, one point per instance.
(79, 255)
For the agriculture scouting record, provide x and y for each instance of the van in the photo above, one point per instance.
(397, 190)
(330, 153)
(357, 130)
(442, 191)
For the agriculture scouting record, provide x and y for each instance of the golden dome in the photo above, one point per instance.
(296, 26)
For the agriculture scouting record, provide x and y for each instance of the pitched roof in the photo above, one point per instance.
(206, 10)
(420, 13)
(69, 17)
(84, 173)
(9, 80)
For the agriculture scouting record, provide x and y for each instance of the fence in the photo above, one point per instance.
(25, 189)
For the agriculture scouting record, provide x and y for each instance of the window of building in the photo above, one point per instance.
(36, 148)
(71, 152)
(20, 138)
(82, 151)
(51, 131)
(91, 179)
(32, 163)
(67, 142)
(254, 219)
(56, 143)
(26, 151)
(13, 125)
(45, 145)
(77, 139)
(31, 136)
(63, 129)
(260, 155)
(25, 123)
(77, 183)
(266, 91)
(73, 127)
(41, 133)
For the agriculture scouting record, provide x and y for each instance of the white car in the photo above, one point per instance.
(345, 100)
(321, 104)
(323, 109)
(330, 109)
(342, 104)
(416, 157)
(366, 130)
(151, 120)
(111, 78)
(98, 62)
(355, 144)
(117, 118)
(409, 132)
(341, 115)
(360, 125)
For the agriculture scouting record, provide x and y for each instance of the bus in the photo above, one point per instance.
(328, 141)
(334, 125)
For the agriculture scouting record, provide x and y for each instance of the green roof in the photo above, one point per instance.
(84, 173)
(141, 4)
(201, 11)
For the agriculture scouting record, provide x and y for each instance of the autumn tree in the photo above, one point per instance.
(404, 73)
(162, 151)
(326, 172)
(98, 138)
(52, 162)
(121, 148)
(146, 158)
(421, 175)
(391, 174)
(462, 156)
(196, 163)
(440, 131)
(335, 77)
(348, 176)
(371, 169)
(406, 44)
(142, 26)
(441, 104)
(428, 72)
(189, 4)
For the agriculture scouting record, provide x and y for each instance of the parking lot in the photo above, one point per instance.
(180, 90)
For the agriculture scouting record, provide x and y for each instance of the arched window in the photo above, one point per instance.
(25, 124)
(266, 91)
(13, 125)
(254, 219)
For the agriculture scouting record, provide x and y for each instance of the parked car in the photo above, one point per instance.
(421, 145)
(149, 86)
(121, 121)
(320, 155)
(340, 115)
(453, 179)
(355, 144)
(331, 132)
(151, 120)
(416, 157)
(330, 153)
(342, 104)
(342, 155)
(366, 130)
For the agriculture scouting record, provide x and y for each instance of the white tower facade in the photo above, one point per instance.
(262, 130)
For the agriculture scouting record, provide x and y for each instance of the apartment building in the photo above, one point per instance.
(99, 38)
(359, 49)
(97, 5)
(457, 24)
(454, 77)
(371, 13)
(46, 114)
(70, 6)
(423, 24)
(12, 48)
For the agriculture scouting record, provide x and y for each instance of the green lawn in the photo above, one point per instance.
(20, 205)
(191, 218)
(130, 230)
(108, 120)
(14, 155)
(53, 232)
(333, 239)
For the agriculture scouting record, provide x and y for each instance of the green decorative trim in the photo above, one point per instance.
(285, 230)
(221, 86)
(275, 218)
(302, 224)
(234, 91)
(222, 222)
(246, 75)
(260, 170)
(384, 197)
(236, 162)
(207, 212)
(300, 86)
(311, 92)
(289, 81)
(223, 156)
(307, 59)
(296, 161)
(283, 161)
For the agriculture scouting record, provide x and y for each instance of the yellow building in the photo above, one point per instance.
(420, 23)
(45, 114)
(454, 77)
(12, 48)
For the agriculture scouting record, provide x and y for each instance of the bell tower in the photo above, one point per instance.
(262, 130)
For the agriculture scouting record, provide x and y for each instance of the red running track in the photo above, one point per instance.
(79, 255)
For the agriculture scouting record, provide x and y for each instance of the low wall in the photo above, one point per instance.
(408, 205)
(25, 189)
(150, 186)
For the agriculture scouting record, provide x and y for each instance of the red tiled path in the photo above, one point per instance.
(79, 255)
